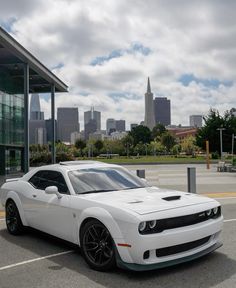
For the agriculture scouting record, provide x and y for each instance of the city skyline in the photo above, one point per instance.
(189, 56)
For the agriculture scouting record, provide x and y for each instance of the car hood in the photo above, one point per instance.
(147, 200)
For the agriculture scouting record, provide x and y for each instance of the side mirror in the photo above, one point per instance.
(53, 190)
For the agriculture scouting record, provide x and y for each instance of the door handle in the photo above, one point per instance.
(34, 195)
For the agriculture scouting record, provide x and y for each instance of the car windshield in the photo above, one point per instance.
(96, 180)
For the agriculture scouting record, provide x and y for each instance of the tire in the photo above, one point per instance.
(97, 246)
(13, 220)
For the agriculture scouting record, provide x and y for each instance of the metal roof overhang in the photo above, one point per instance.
(13, 54)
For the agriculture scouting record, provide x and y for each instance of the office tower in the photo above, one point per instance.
(133, 125)
(162, 111)
(35, 110)
(149, 119)
(37, 127)
(48, 125)
(120, 125)
(67, 122)
(110, 125)
(195, 121)
(37, 132)
(92, 114)
(90, 128)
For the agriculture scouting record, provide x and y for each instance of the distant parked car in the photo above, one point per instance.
(114, 216)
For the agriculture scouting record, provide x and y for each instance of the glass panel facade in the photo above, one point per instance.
(11, 119)
(13, 161)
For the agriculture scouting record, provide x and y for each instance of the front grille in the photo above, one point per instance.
(181, 221)
(181, 248)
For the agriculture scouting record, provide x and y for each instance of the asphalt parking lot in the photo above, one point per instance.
(38, 260)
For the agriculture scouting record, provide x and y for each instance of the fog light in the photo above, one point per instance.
(142, 226)
(146, 254)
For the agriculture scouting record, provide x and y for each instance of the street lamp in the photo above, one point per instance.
(221, 144)
(233, 137)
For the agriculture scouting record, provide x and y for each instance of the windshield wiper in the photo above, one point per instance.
(97, 191)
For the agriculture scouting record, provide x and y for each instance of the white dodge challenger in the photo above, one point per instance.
(114, 216)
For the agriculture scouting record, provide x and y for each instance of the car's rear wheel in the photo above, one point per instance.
(97, 246)
(13, 220)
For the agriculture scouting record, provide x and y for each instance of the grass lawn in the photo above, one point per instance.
(154, 159)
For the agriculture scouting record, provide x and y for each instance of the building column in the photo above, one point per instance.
(53, 122)
(26, 117)
(3, 160)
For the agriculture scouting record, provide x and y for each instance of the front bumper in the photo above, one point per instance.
(146, 267)
(140, 244)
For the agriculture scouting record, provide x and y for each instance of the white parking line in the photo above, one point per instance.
(230, 220)
(224, 198)
(34, 260)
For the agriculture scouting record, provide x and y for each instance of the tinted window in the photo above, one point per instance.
(104, 179)
(42, 179)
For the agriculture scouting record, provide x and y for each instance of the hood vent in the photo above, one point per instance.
(172, 198)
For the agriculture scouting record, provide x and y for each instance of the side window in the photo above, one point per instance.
(42, 179)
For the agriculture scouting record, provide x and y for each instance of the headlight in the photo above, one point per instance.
(215, 210)
(142, 226)
(208, 212)
(152, 224)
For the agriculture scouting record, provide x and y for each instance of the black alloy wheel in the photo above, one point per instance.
(97, 246)
(13, 220)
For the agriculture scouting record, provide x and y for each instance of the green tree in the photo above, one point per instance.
(98, 145)
(158, 130)
(156, 147)
(209, 131)
(188, 145)
(168, 140)
(80, 145)
(127, 142)
(141, 134)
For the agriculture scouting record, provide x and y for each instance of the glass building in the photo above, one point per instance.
(20, 74)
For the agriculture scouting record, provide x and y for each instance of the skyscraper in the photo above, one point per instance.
(90, 128)
(67, 123)
(120, 125)
(92, 114)
(149, 119)
(37, 128)
(133, 125)
(111, 125)
(195, 121)
(162, 111)
(35, 110)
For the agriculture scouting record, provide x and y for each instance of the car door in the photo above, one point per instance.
(47, 212)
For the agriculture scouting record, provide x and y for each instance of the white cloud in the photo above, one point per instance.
(185, 37)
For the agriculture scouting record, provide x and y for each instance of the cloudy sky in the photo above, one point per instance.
(105, 50)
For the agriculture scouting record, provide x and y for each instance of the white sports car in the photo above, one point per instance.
(113, 215)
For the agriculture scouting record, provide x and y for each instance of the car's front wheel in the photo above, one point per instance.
(97, 246)
(13, 220)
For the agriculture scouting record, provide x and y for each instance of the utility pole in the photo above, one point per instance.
(221, 142)
(207, 155)
(233, 137)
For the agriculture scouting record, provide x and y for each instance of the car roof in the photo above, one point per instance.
(71, 166)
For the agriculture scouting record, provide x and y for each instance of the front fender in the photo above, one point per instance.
(104, 217)
(14, 196)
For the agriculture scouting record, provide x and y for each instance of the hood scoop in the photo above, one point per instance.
(172, 198)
